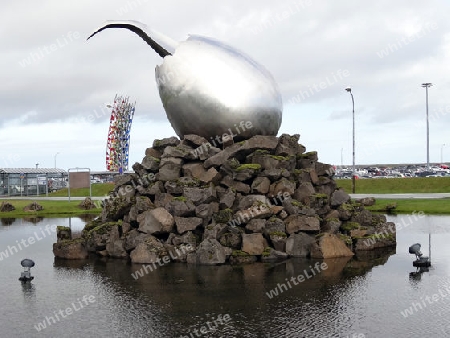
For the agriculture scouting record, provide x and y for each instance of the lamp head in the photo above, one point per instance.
(27, 263)
(348, 89)
(427, 84)
(415, 250)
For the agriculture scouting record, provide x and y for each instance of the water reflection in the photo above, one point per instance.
(29, 290)
(38, 219)
(7, 221)
(365, 294)
(87, 217)
(416, 276)
(33, 219)
(364, 260)
(176, 290)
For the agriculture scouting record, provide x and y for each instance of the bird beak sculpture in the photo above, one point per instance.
(209, 88)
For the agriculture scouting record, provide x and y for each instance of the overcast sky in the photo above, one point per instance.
(55, 84)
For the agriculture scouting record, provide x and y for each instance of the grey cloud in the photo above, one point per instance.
(312, 43)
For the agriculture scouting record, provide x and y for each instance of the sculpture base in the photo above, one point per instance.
(262, 199)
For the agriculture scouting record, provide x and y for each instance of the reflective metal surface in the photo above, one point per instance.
(209, 88)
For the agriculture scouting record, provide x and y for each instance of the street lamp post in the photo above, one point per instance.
(55, 158)
(353, 167)
(442, 149)
(426, 85)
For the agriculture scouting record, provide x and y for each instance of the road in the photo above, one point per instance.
(402, 196)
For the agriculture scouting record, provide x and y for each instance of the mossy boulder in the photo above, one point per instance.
(63, 233)
(98, 237)
(33, 207)
(6, 207)
(71, 249)
(87, 204)
(348, 226)
(223, 216)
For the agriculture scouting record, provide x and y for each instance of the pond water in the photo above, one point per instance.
(377, 296)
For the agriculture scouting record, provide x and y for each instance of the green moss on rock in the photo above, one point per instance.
(194, 182)
(157, 160)
(280, 158)
(347, 206)
(296, 203)
(67, 242)
(223, 216)
(252, 166)
(181, 149)
(104, 228)
(90, 226)
(308, 154)
(378, 236)
(239, 253)
(347, 239)
(180, 198)
(234, 163)
(267, 251)
(278, 233)
(348, 226)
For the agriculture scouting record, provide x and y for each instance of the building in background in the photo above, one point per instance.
(31, 181)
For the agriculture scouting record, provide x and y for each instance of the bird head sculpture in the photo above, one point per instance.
(209, 88)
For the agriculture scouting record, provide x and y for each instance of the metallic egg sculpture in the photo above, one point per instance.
(209, 88)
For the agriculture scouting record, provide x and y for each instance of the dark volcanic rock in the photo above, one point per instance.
(166, 142)
(296, 223)
(201, 195)
(262, 199)
(156, 221)
(151, 163)
(34, 206)
(300, 245)
(253, 244)
(210, 252)
(6, 207)
(187, 223)
(330, 246)
(72, 249)
(339, 197)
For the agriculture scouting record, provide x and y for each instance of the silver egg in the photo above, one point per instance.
(209, 88)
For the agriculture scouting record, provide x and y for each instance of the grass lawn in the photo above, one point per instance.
(98, 189)
(404, 186)
(397, 185)
(407, 206)
(51, 209)
(59, 208)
